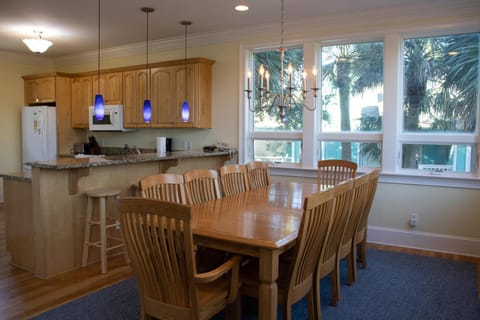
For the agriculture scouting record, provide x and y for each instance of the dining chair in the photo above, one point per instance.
(343, 196)
(201, 185)
(164, 186)
(258, 174)
(330, 172)
(360, 240)
(296, 275)
(158, 236)
(233, 178)
(346, 248)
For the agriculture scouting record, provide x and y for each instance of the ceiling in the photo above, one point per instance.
(72, 25)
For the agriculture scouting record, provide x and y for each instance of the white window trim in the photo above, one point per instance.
(391, 138)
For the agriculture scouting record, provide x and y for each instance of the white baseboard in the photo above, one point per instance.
(424, 241)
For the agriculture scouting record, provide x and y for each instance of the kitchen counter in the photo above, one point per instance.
(45, 209)
(96, 161)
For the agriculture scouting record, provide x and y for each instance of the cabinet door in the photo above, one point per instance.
(40, 90)
(162, 97)
(110, 87)
(134, 93)
(190, 94)
(82, 98)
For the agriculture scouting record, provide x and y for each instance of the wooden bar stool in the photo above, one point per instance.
(104, 222)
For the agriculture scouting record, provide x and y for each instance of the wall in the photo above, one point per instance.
(13, 67)
(448, 218)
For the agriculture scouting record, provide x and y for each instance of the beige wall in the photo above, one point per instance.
(441, 210)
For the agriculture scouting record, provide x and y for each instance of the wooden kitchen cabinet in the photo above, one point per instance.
(39, 90)
(82, 98)
(134, 93)
(168, 94)
(55, 89)
(110, 87)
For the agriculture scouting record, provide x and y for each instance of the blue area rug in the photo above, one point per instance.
(395, 286)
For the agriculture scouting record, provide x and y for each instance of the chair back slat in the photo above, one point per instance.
(164, 186)
(201, 185)
(331, 172)
(234, 179)
(372, 189)
(258, 174)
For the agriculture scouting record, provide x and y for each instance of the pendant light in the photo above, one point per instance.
(185, 105)
(147, 105)
(99, 105)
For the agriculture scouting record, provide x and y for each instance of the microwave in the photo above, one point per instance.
(112, 120)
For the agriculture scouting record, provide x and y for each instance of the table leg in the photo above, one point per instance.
(268, 290)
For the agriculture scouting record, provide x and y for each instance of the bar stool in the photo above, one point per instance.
(104, 222)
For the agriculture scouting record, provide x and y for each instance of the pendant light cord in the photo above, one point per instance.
(98, 58)
(146, 67)
(186, 25)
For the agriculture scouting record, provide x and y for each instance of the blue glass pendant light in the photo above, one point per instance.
(147, 105)
(99, 105)
(185, 105)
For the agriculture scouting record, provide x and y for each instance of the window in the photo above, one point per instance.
(276, 138)
(409, 105)
(352, 103)
(440, 102)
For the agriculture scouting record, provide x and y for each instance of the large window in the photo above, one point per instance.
(352, 102)
(409, 105)
(276, 138)
(440, 102)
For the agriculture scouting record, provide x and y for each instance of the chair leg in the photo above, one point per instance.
(287, 311)
(362, 253)
(311, 305)
(353, 255)
(335, 283)
(234, 310)
(317, 308)
(103, 235)
(350, 269)
(86, 238)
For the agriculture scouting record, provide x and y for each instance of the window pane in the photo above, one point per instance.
(438, 158)
(441, 84)
(366, 154)
(267, 115)
(277, 151)
(352, 87)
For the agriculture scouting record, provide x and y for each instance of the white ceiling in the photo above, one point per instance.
(72, 25)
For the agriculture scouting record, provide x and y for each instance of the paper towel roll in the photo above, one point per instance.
(161, 146)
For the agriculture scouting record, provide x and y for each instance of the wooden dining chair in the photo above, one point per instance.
(233, 178)
(331, 172)
(360, 239)
(164, 186)
(296, 274)
(258, 174)
(346, 248)
(158, 236)
(343, 196)
(201, 185)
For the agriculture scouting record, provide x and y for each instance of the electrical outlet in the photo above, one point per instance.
(413, 220)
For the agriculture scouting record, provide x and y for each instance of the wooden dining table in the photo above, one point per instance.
(262, 223)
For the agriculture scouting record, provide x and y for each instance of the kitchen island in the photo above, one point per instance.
(45, 208)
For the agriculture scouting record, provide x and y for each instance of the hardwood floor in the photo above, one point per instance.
(23, 296)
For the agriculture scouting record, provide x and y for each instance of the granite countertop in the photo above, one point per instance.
(96, 161)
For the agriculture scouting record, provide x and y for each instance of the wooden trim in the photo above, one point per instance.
(45, 75)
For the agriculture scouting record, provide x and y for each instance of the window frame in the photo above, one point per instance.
(392, 136)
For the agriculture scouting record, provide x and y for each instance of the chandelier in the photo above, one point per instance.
(37, 44)
(287, 98)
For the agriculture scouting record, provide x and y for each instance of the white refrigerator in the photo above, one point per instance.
(39, 134)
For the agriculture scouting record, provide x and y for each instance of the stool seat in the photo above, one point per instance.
(103, 192)
(103, 222)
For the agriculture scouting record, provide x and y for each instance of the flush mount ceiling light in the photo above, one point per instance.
(241, 7)
(37, 44)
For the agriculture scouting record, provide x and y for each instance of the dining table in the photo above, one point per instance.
(261, 223)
